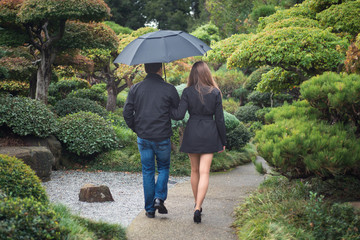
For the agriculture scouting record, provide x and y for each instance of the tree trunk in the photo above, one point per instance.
(44, 75)
(112, 95)
(32, 92)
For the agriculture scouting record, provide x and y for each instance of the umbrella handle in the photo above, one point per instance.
(164, 71)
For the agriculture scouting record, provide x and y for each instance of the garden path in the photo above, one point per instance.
(226, 191)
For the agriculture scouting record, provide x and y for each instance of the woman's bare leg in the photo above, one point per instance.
(195, 164)
(203, 183)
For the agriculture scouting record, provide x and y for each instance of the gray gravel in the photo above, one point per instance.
(126, 189)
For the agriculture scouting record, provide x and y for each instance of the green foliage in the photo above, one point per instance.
(62, 88)
(223, 49)
(321, 5)
(12, 37)
(230, 105)
(94, 94)
(247, 113)
(238, 137)
(298, 145)
(74, 105)
(302, 10)
(117, 28)
(260, 99)
(18, 180)
(260, 114)
(207, 33)
(278, 80)
(293, 22)
(336, 96)
(27, 116)
(86, 133)
(229, 159)
(343, 223)
(262, 11)
(95, 35)
(280, 209)
(231, 122)
(37, 10)
(27, 218)
(229, 80)
(255, 77)
(344, 17)
(306, 51)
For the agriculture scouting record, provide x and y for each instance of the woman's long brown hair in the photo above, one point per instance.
(200, 77)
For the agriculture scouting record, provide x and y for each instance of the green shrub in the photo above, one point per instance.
(230, 105)
(27, 116)
(254, 127)
(300, 146)
(231, 122)
(262, 11)
(74, 105)
(117, 28)
(125, 135)
(336, 96)
(207, 33)
(27, 218)
(229, 80)
(62, 88)
(247, 113)
(260, 114)
(95, 94)
(238, 137)
(255, 78)
(260, 99)
(18, 180)
(86, 133)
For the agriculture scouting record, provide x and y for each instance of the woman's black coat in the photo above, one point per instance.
(203, 132)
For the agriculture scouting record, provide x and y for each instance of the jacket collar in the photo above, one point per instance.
(154, 76)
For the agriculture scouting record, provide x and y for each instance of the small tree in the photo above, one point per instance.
(45, 23)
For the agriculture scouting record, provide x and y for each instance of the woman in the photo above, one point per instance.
(203, 135)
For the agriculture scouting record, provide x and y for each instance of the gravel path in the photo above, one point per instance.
(126, 189)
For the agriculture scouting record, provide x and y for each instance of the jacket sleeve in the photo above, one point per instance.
(174, 98)
(179, 112)
(129, 111)
(219, 119)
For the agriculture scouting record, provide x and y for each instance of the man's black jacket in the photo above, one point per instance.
(147, 108)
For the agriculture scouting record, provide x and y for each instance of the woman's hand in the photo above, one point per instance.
(222, 150)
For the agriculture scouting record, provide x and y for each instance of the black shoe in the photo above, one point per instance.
(197, 216)
(150, 214)
(159, 205)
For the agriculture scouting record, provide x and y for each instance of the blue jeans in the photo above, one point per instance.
(148, 150)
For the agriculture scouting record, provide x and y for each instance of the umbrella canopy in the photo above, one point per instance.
(162, 47)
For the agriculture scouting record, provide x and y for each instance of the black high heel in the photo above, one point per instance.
(200, 208)
(197, 216)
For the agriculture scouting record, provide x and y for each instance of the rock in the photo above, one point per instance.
(40, 159)
(92, 193)
(51, 143)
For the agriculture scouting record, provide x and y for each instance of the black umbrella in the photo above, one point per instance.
(162, 47)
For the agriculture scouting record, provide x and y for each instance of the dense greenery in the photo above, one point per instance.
(280, 209)
(26, 116)
(73, 105)
(19, 180)
(86, 133)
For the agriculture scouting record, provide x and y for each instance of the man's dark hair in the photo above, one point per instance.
(152, 67)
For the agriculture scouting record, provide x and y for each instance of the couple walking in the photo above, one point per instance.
(148, 110)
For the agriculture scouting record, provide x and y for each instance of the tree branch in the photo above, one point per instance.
(32, 40)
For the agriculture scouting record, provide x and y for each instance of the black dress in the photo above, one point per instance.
(203, 132)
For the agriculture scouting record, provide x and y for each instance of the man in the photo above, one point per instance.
(147, 113)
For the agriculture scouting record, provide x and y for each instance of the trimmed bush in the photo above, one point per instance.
(230, 105)
(62, 88)
(300, 146)
(336, 96)
(260, 114)
(95, 94)
(231, 122)
(74, 105)
(26, 218)
(229, 80)
(247, 113)
(18, 180)
(255, 78)
(86, 133)
(238, 137)
(27, 116)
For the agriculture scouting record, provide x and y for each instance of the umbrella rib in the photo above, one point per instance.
(195, 44)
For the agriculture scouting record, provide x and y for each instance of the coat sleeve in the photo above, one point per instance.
(219, 119)
(179, 112)
(129, 111)
(174, 98)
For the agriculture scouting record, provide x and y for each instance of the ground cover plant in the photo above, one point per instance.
(280, 209)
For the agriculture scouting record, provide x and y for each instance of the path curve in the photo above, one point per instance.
(226, 191)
